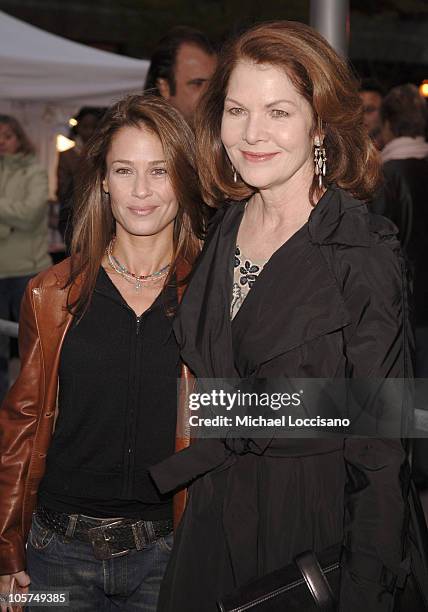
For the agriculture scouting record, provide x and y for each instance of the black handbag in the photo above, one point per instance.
(306, 585)
(311, 582)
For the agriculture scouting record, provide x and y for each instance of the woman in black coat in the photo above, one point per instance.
(298, 280)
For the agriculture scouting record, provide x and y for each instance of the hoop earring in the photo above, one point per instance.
(320, 161)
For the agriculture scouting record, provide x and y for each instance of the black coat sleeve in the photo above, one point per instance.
(376, 347)
(398, 200)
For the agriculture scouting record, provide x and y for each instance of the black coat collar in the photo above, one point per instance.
(295, 299)
(338, 218)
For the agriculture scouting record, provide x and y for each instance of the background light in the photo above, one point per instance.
(423, 88)
(72, 122)
(63, 143)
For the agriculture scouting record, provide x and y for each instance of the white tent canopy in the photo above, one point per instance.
(38, 66)
(45, 79)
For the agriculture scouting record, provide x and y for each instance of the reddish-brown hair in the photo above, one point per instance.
(322, 78)
(93, 219)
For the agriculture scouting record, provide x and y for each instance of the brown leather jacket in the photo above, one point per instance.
(27, 415)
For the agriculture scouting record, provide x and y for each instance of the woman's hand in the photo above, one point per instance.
(18, 582)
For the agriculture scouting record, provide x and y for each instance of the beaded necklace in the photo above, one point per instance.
(132, 278)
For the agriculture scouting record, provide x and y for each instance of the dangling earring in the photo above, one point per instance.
(235, 174)
(320, 160)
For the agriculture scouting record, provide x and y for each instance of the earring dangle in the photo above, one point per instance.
(235, 174)
(320, 161)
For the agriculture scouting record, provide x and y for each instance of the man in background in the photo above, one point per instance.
(180, 68)
(405, 166)
(371, 94)
(68, 170)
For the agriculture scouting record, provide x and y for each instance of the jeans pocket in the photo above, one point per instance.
(40, 537)
(166, 542)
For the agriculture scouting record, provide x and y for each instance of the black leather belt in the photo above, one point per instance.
(108, 537)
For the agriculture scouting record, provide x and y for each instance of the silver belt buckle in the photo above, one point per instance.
(100, 541)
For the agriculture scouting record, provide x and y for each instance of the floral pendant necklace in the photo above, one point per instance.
(132, 278)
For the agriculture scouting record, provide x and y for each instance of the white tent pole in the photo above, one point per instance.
(331, 19)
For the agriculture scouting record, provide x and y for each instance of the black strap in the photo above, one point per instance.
(316, 581)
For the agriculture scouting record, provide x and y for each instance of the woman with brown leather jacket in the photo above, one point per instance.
(95, 403)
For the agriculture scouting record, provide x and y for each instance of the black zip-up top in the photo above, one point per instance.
(117, 409)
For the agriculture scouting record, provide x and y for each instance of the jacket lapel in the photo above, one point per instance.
(202, 327)
(296, 297)
(53, 321)
(294, 300)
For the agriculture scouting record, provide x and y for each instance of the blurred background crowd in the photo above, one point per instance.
(43, 130)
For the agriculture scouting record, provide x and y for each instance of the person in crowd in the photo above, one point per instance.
(371, 94)
(181, 67)
(87, 119)
(405, 166)
(23, 226)
(296, 280)
(95, 402)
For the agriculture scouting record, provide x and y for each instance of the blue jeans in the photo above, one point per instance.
(11, 292)
(126, 583)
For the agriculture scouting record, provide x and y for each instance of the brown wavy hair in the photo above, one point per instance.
(322, 78)
(93, 220)
(405, 110)
(25, 145)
